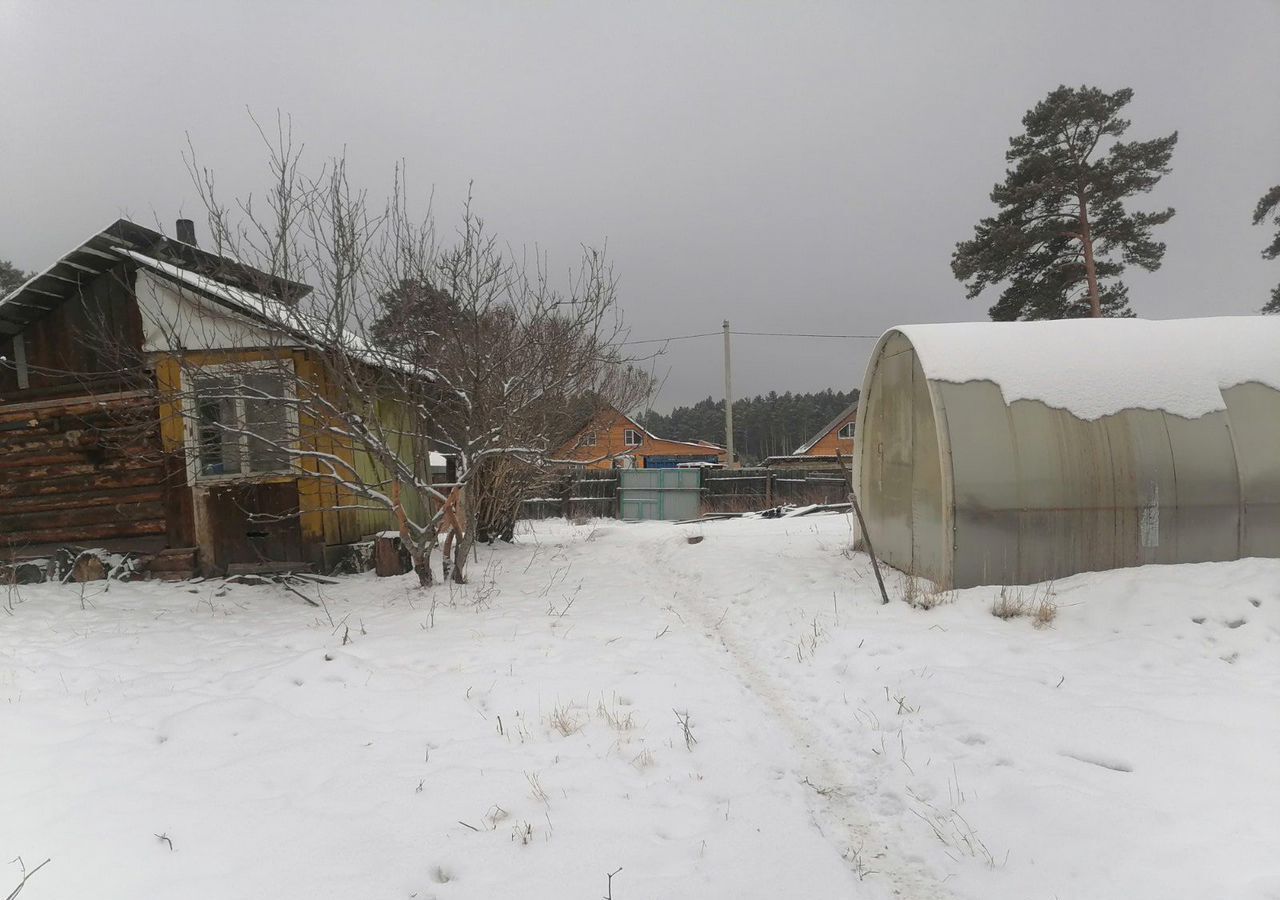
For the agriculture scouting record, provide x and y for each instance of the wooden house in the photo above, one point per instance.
(112, 361)
(614, 440)
(826, 449)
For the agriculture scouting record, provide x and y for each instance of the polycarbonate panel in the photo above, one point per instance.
(1255, 427)
(1146, 490)
(1066, 493)
(1208, 513)
(984, 475)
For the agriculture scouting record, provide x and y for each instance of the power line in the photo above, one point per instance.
(792, 334)
(869, 337)
(682, 337)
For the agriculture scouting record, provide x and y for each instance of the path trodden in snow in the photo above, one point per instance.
(524, 736)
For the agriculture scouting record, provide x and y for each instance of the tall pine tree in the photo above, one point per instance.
(1269, 204)
(1062, 235)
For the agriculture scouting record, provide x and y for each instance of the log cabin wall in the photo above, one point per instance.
(80, 455)
(82, 470)
(89, 343)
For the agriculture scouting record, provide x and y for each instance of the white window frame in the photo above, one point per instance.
(627, 435)
(191, 416)
(590, 440)
(849, 426)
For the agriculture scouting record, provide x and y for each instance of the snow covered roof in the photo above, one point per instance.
(95, 255)
(825, 429)
(1098, 367)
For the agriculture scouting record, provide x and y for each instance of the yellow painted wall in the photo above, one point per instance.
(329, 513)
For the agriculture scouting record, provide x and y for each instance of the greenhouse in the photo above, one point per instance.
(1017, 452)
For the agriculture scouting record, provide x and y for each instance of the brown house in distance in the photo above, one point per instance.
(613, 440)
(827, 448)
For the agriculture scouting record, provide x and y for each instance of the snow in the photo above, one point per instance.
(520, 736)
(1098, 367)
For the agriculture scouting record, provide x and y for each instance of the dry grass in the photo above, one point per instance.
(1009, 604)
(566, 719)
(1014, 603)
(536, 790)
(614, 716)
(922, 593)
(644, 760)
(1044, 612)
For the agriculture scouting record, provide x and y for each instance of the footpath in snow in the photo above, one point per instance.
(736, 717)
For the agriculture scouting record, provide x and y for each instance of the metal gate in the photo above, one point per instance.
(662, 494)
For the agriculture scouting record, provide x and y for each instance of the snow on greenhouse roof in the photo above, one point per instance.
(1097, 367)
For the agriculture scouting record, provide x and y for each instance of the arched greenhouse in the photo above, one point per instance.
(1016, 452)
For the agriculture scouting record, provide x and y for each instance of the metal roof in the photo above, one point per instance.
(41, 293)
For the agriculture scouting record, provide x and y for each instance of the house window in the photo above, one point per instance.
(590, 440)
(631, 438)
(243, 420)
(846, 431)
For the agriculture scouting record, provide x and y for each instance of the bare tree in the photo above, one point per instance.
(463, 348)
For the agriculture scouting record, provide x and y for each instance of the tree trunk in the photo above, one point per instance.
(419, 551)
(422, 566)
(462, 548)
(1090, 270)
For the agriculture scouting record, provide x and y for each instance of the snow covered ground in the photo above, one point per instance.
(523, 737)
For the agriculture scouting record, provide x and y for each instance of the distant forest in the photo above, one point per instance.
(772, 425)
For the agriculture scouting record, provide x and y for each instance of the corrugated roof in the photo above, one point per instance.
(41, 293)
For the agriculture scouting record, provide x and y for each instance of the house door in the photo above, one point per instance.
(254, 523)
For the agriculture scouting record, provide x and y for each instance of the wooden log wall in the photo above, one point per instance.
(81, 470)
(91, 339)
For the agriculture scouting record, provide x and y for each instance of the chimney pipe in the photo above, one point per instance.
(186, 230)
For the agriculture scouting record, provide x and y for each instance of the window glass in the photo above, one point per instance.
(219, 449)
(242, 423)
(632, 438)
(266, 420)
(846, 430)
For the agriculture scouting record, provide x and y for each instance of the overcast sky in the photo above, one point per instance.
(789, 166)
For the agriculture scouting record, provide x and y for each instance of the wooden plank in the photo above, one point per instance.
(118, 513)
(13, 489)
(169, 389)
(72, 457)
(75, 534)
(63, 406)
(81, 500)
(79, 468)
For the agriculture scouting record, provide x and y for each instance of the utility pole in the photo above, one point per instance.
(728, 398)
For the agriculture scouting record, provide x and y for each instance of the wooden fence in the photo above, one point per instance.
(595, 493)
(747, 490)
(572, 496)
